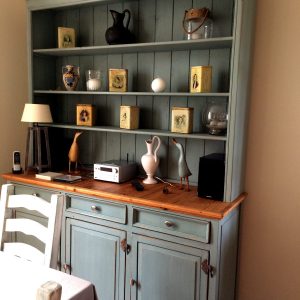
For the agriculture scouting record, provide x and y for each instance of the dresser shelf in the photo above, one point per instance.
(201, 136)
(212, 43)
(167, 94)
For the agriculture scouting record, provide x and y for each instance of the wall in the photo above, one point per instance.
(270, 224)
(13, 80)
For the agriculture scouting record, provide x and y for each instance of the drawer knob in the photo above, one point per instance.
(169, 224)
(95, 208)
(35, 195)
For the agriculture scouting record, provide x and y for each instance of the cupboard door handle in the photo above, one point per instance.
(35, 194)
(132, 282)
(95, 208)
(169, 224)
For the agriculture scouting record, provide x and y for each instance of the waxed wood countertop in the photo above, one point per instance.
(176, 200)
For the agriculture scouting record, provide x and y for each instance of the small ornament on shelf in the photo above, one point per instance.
(158, 85)
(215, 118)
(197, 24)
(71, 77)
(182, 119)
(183, 169)
(85, 114)
(74, 152)
(118, 80)
(66, 37)
(93, 80)
(201, 79)
(129, 117)
(150, 161)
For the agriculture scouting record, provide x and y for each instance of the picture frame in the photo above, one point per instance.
(201, 79)
(85, 115)
(118, 80)
(66, 37)
(182, 119)
(129, 117)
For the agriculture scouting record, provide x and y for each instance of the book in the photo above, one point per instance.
(47, 175)
(67, 178)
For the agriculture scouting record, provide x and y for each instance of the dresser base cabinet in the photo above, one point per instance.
(167, 271)
(93, 252)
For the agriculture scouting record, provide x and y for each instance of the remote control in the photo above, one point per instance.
(138, 186)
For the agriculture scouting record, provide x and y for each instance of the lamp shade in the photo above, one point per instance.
(37, 113)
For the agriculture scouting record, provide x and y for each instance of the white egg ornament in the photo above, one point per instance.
(158, 85)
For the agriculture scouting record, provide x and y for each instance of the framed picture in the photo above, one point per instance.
(66, 37)
(200, 81)
(182, 119)
(85, 115)
(118, 80)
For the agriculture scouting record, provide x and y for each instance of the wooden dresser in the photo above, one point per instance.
(144, 245)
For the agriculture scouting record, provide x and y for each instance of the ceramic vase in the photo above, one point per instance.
(70, 76)
(150, 161)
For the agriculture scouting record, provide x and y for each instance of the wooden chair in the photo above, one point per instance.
(49, 235)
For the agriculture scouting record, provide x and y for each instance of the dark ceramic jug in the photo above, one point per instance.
(118, 34)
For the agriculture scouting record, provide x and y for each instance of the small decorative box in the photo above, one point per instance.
(182, 119)
(200, 81)
(85, 115)
(129, 117)
(118, 80)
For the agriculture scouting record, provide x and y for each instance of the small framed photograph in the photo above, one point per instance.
(129, 117)
(66, 37)
(118, 80)
(182, 119)
(200, 81)
(85, 115)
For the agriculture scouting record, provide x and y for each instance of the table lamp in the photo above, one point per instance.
(35, 114)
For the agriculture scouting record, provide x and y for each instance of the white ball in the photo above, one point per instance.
(158, 85)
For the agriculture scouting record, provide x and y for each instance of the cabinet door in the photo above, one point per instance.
(93, 252)
(167, 271)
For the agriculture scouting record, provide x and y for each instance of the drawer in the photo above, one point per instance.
(97, 208)
(180, 226)
(23, 189)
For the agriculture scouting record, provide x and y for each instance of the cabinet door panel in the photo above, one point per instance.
(94, 253)
(167, 271)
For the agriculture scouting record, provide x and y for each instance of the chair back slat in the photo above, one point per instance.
(30, 202)
(28, 227)
(49, 236)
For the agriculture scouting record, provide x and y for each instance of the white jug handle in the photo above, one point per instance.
(157, 147)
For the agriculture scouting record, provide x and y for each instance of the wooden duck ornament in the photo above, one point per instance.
(73, 152)
(183, 169)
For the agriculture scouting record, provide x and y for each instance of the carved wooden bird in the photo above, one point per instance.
(183, 169)
(73, 153)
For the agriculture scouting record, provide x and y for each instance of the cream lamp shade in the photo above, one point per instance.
(37, 113)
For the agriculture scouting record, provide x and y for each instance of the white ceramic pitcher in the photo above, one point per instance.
(150, 160)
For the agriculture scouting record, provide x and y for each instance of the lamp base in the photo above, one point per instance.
(37, 165)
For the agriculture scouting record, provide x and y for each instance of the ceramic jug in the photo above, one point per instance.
(118, 34)
(150, 160)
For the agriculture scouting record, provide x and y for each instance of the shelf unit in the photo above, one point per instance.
(160, 51)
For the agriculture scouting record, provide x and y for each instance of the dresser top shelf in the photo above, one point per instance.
(178, 201)
(214, 43)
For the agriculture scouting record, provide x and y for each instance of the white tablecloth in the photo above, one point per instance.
(20, 279)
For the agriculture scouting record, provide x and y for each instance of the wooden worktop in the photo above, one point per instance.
(176, 200)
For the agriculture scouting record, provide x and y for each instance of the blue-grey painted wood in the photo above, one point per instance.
(132, 93)
(223, 42)
(142, 132)
(167, 271)
(160, 51)
(241, 67)
(94, 253)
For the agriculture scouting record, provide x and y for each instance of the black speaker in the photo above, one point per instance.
(211, 176)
